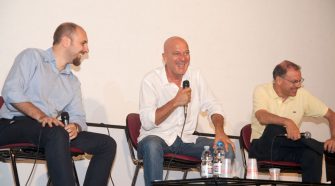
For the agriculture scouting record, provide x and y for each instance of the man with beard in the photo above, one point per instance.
(39, 87)
(278, 109)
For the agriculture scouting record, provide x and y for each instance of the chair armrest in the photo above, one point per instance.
(213, 135)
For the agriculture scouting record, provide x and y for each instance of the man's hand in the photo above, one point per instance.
(220, 135)
(72, 130)
(183, 96)
(292, 130)
(34, 112)
(46, 120)
(265, 117)
(225, 140)
(329, 145)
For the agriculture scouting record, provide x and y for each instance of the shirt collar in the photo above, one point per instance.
(163, 76)
(164, 79)
(51, 59)
(274, 95)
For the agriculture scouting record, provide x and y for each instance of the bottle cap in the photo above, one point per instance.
(219, 143)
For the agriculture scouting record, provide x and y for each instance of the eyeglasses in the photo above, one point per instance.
(295, 82)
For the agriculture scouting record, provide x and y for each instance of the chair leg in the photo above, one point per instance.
(244, 163)
(75, 172)
(135, 175)
(49, 181)
(13, 160)
(167, 174)
(185, 174)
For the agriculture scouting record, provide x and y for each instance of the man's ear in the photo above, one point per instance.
(163, 58)
(66, 41)
(278, 80)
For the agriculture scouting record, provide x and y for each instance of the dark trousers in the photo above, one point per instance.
(330, 166)
(55, 142)
(307, 152)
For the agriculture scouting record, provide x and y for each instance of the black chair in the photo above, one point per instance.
(12, 152)
(178, 162)
(263, 165)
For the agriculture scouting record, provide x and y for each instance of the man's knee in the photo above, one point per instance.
(151, 145)
(55, 138)
(111, 143)
(104, 143)
(58, 133)
(311, 156)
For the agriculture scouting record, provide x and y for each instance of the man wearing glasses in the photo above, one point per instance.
(278, 109)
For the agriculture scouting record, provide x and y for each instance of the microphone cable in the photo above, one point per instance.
(178, 148)
(110, 173)
(36, 156)
(186, 84)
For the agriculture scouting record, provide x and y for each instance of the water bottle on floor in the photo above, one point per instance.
(206, 163)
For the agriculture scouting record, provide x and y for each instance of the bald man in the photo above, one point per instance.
(162, 104)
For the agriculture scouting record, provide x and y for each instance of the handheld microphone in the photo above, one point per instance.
(186, 84)
(65, 118)
(306, 135)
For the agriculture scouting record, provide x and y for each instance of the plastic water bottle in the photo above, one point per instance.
(219, 156)
(206, 163)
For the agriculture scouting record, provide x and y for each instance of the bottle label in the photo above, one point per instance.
(217, 169)
(206, 171)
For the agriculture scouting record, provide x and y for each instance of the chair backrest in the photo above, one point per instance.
(133, 126)
(171, 161)
(1, 101)
(245, 136)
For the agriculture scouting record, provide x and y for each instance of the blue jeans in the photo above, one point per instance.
(55, 141)
(152, 148)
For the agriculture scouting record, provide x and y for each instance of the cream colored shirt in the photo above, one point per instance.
(156, 91)
(294, 108)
